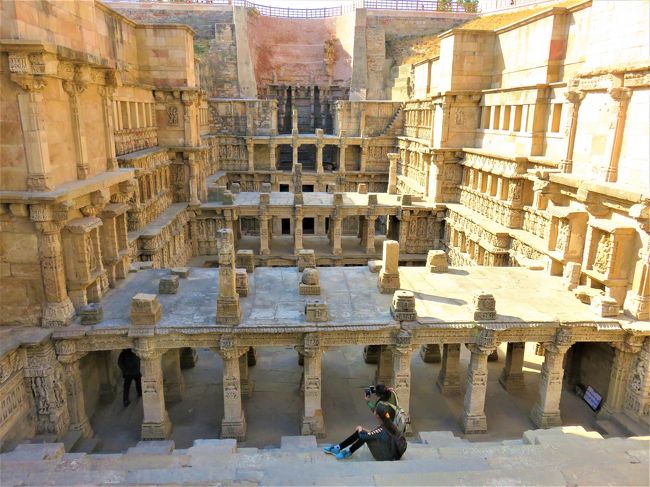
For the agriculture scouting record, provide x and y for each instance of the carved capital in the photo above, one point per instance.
(28, 82)
(574, 97)
(73, 89)
(620, 94)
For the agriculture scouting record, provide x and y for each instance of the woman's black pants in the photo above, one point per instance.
(353, 441)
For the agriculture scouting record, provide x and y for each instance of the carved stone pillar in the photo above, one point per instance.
(574, 98)
(370, 234)
(250, 149)
(32, 120)
(294, 153)
(336, 235)
(193, 183)
(74, 90)
(46, 380)
(621, 97)
(364, 157)
(637, 395)
(473, 419)
(58, 308)
(67, 355)
(546, 412)
(312, 419)
(319, 157)
(106, 93)
(624, 355)
(155, 420)
(384, 372)
(448, 380)
(342, 149)
(273, 156)
(172, 376)
(297, 230)
(392, 172)
(228, 309)
(512, 376)
(401, 377)
(264, 236)
(233, 424)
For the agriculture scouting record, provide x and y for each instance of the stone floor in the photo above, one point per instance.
(275, 408)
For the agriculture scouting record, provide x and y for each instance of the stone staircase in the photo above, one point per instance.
(401, 76)
(558, 456)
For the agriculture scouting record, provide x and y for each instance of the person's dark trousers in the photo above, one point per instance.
(127, 387)
(353, 441)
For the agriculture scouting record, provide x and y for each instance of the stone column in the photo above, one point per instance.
(546, 412)
(342, 148)
(106, 93)
(389, 280)
(392, 172)
(335, 223)
(448, 380)
(173, 377)
(574, 98)
(312, 419)
(32, 119)
(74, 90)
(384, 373)
(250, 150)
(297, 230)
(272, 156)
(233, 424)
(319, 157)
(264, 236)
(67, 355)
(58, 308)
(320, 225)
(621, 97)
(473, 419)
(512, 376)
(155, 421)
(625, 354)
(47, 384)
(244, 378)
(294, 153)
(370, 234)
(228, 310)
(193, 183)
(401, 377)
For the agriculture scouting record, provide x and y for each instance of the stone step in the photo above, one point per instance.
(556, 456)
(71, 440)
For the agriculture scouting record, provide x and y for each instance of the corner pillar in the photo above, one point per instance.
(312, 419)
(546, 412)
(233, 424)
(155, 421)
(474, 420)
(624, 355)
(66, 354)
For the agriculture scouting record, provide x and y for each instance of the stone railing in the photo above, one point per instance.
(131, 140)
(498, 211)
(536, 222)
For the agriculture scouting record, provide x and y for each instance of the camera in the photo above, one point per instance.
(370, 390)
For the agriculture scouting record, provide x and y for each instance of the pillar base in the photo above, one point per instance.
(371, 354)
(58, 314)
(156, 431)
(246, 389)
(545, 419)
(473, 424)
(313, 425)
(430, 354)
(228, 311)
(448, 386)
(234, 428)
(388, 283)
(512, 382)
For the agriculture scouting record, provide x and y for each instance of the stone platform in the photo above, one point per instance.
(522, 297)
(559, 456)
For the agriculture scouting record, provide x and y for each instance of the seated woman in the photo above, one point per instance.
(380, 441)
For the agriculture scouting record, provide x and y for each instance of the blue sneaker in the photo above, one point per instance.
(343, 454)
(332, 449)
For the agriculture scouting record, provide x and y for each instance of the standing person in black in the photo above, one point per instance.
(381, 441)
(129, 364)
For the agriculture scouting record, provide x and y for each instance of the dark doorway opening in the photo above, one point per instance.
(284, 188)
(286, 226)
(308, 226)
(308, 188)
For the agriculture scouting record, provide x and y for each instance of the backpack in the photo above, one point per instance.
(399, 419)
